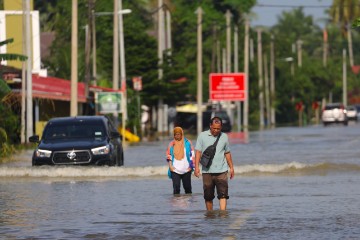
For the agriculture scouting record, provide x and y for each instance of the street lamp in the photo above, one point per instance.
(122, 60)
(123, 11)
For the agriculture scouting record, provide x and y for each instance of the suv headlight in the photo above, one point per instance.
(101, 150)
(43, 153)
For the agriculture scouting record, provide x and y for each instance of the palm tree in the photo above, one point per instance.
(344, 12)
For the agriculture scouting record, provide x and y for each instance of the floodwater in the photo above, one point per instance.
(290, 183)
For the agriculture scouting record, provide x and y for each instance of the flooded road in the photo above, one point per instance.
(290, 183)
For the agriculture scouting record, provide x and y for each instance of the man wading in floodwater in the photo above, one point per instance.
(216, 175)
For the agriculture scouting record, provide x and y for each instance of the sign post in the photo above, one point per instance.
(137, 85)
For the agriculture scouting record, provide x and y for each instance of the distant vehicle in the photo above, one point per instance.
(82, 140)
(334, 113)
(188, 120)
(352, 112)
(358, 111)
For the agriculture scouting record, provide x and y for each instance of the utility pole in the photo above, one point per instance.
(29, 103)
(228, 60)
(94, 46)
(224, 68)
(325, 47)
(122, 69)
(251, 50)
(116, 47)
(168, 31)
(267, 95)
(236, 50)
(351, 57)
(228, 41)
(168, 48)
(344, 79)
(74, 61)
(161, 44)
(89, 29)
(236, 70)
(213, 52)
(23, 77)
(293, 49)
(261, 96)
(299, 52)
(272, 82)
(199, 13)
(246, 70)
(218, 54)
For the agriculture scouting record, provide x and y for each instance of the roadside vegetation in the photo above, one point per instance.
(10, 126)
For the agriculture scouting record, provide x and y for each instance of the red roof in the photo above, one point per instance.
(59, 89)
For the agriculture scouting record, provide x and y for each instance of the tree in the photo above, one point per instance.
(309, 83)
(9, 130)
(140, 44)
(356, 23)
(344, 12)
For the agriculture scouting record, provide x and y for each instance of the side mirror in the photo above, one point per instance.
(114, 134)
(34, 139)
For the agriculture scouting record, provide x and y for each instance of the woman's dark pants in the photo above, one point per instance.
(186, 181)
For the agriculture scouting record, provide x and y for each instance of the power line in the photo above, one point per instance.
(293, 6)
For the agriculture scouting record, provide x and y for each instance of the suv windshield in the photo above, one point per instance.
(74, 130)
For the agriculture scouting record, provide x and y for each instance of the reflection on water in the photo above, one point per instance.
(290, 183)
(216, 214)
(180, 201)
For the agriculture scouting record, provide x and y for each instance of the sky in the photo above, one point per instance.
(267, 11)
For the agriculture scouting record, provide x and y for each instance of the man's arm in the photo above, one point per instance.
(197, 163)
(230, 163)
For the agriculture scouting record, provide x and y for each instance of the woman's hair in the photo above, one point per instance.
(216, 120)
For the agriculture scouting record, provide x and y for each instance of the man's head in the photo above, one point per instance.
(215, 125)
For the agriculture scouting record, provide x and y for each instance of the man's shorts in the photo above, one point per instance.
(212, 180)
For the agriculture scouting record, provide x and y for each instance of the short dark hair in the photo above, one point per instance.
(216, 120)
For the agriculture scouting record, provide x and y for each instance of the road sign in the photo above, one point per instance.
(108, 102)
(137, 83)
(227, 86)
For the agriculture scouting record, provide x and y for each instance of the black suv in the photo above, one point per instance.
(82, 140)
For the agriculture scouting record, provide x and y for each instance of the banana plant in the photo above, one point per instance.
(4, 88)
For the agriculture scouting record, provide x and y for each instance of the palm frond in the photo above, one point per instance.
(10, 40)
(12, 56)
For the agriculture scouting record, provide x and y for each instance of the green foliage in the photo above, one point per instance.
(141, 44)
(343, 12)
(311, 82)
(9, 122)
(9, 130)
(10, 56)
(356, 23)
(4, 89)
(3, 135)
(5, 148)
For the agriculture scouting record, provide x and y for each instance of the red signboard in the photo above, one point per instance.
(227, 86)
(137, 83)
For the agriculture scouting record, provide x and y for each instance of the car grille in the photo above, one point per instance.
(72, 157)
